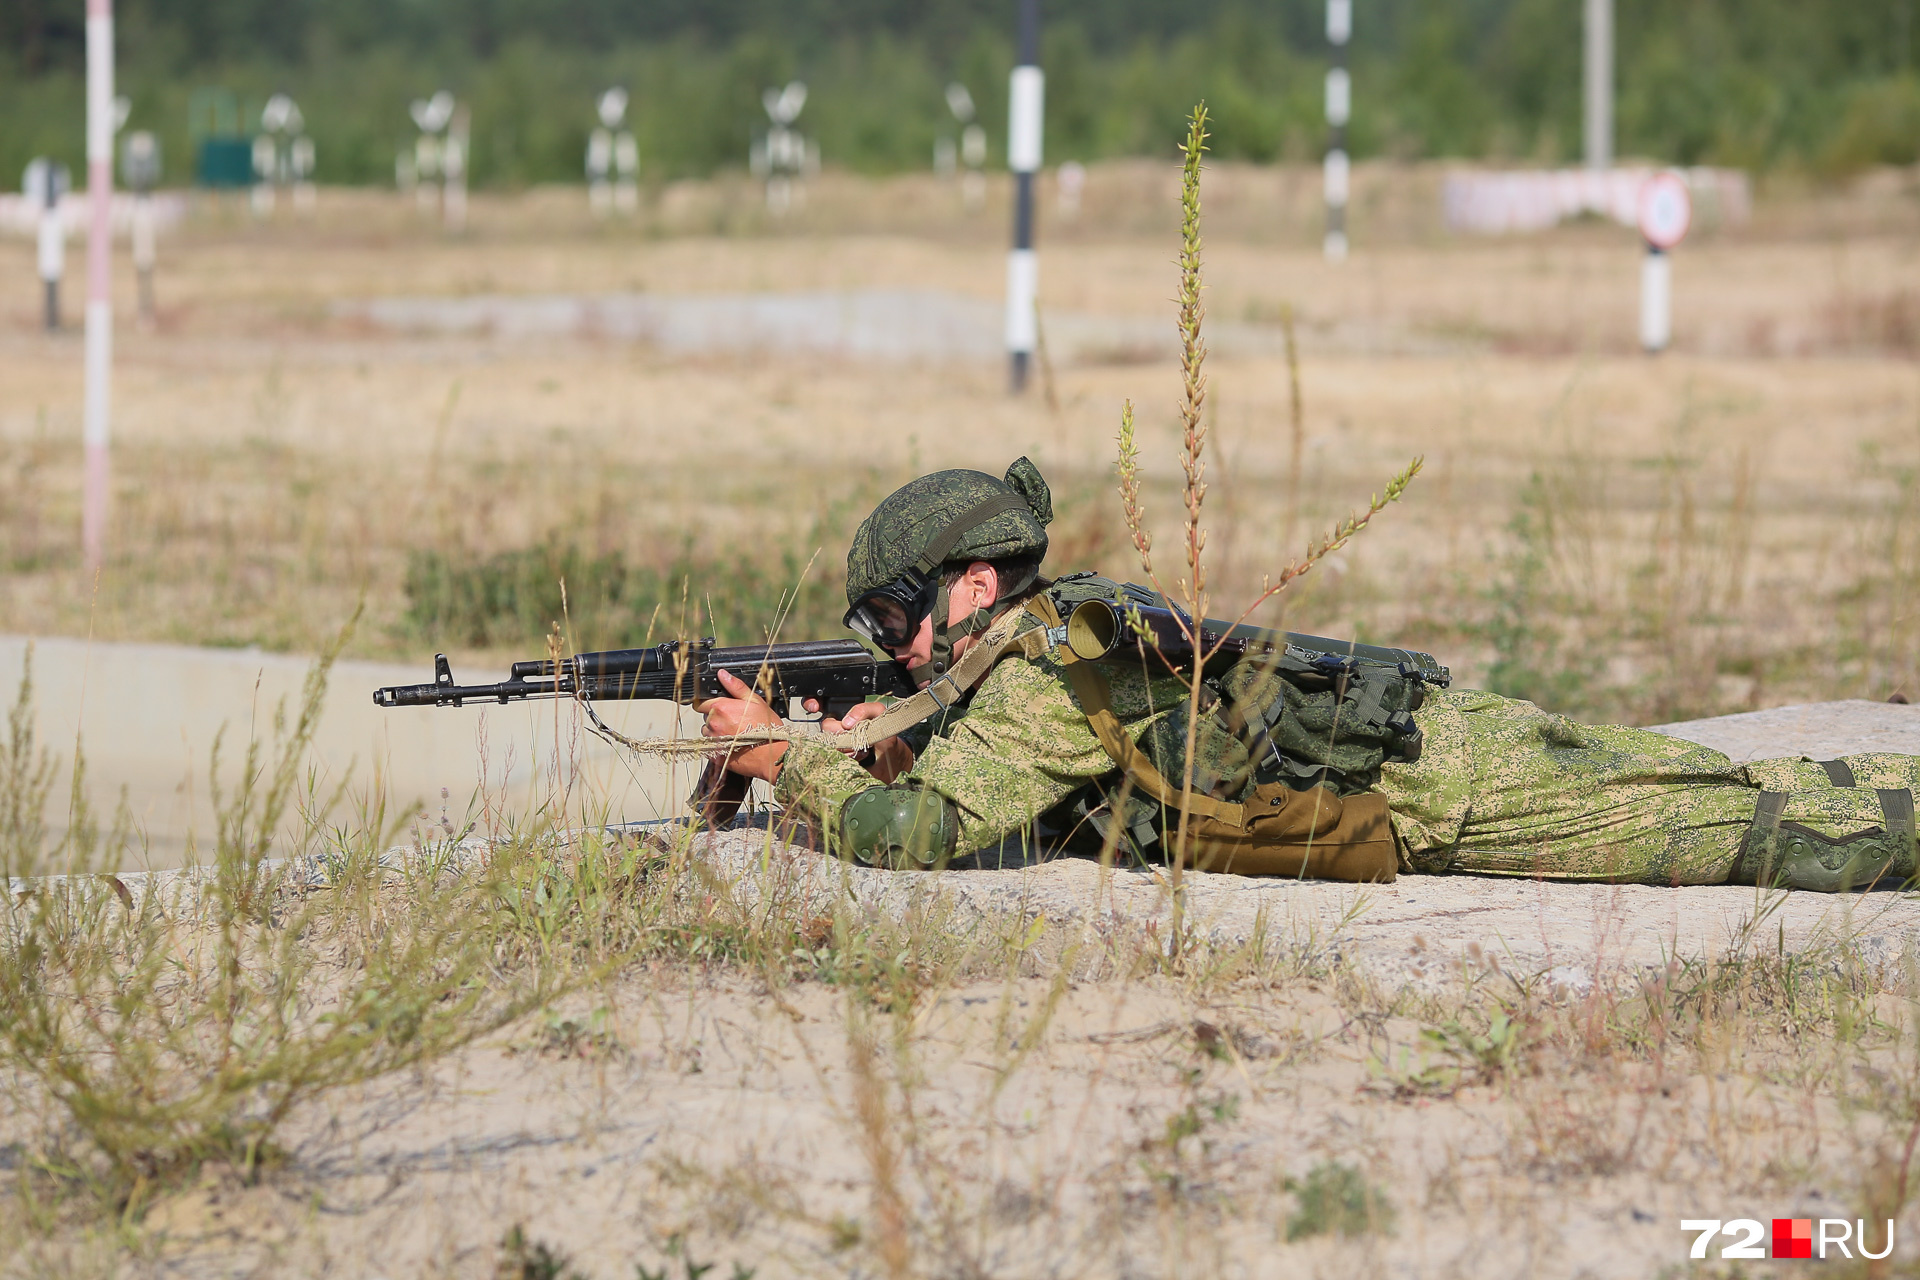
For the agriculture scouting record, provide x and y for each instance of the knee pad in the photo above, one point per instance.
(903, 828)
(1830, 840)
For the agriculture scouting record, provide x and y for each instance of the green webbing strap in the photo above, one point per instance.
(1897, 807)
(1760, 835)
(1370, 704)
(935, 553)
(1838, 772)
(1095, 697)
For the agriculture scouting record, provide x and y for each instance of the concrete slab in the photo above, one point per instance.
(864, 324)
(146, 716)
(1821, 730)
(1421, 931)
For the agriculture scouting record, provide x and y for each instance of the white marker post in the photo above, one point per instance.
(1069, 183)
(973, 155)
(602, 146)
(266, 163)
(100, 126)
(782, 156)
(626, 171)
(1025, 116)
(453, 165)
(300, 160)
(430, 116)
(1336, 172)
(599, 166)
(140, 170)
(45, 183)
(1666, 211)
(970, 156)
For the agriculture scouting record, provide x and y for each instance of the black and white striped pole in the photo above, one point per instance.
(1026, 108)
(1335, 173)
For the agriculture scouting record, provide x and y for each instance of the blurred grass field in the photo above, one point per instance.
(1730, 525)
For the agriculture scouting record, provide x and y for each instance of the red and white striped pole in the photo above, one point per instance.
(100, 126)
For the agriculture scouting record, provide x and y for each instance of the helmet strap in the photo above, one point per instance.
(944, 637)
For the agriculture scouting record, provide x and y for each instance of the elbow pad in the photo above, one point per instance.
(902, 828)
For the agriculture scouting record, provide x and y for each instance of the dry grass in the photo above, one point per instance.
(1730, 523)
(735, 1061)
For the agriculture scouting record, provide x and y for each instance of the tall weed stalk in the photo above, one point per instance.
(1191, 585)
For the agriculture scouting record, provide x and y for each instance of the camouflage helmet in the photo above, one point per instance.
(911, 519)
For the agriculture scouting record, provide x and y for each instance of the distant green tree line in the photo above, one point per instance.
(1817, 84)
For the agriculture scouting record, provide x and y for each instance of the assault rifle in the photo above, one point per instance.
(838, 673)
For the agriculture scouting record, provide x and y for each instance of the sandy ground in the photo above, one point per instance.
(734, 1120)
(1095, 1124)
(1030, 1128)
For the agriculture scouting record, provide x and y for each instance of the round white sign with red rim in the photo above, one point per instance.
(1666, 210)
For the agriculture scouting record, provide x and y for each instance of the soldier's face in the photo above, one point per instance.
(893, 619)
(921, 650)
(977, 588)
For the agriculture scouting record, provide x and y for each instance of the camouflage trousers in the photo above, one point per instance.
(1503, 787)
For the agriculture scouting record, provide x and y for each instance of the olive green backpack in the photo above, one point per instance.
(1289, 743)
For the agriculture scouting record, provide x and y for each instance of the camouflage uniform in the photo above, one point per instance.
(1017, 748)
(1500, 787)
(1496, 786)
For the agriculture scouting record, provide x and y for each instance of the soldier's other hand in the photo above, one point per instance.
(863, 711)
(886, 759)
(744, 709)
(891, 758)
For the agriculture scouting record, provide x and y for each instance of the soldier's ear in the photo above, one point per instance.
(984, 581)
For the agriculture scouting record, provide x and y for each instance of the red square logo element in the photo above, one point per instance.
(1793, 1237)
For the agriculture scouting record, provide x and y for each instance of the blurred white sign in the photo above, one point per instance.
(1666, 210)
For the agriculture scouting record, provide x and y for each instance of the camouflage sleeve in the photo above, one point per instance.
(1023, 746)
(817, 779)
(1015, 749)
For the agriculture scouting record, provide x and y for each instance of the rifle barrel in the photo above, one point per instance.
(840, 671)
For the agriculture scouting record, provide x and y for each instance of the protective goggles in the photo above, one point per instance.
(890, 616)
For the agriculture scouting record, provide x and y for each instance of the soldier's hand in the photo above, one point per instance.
(888, 758)
(745, 709)
(891, 758)
(864, 711)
